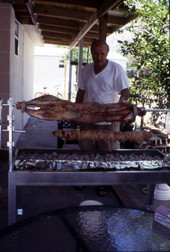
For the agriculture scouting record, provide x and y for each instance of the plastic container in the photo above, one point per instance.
(162, 192)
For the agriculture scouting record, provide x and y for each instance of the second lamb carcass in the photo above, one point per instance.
(51, 108)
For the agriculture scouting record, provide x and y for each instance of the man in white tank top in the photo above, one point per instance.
(104, 82)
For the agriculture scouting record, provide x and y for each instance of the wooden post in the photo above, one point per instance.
(70, 76)
(103, 27)
(80, 59)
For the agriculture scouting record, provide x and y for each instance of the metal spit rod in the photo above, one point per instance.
(143, 109)
(156, 110)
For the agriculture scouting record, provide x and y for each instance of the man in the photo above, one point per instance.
(102, 81)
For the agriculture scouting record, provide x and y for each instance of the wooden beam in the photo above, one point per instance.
(57, 35)
(116, 20)
(55, 42)
(102, 10)
(27, 8)
(92, 35)
(92, 20)
(108, 5)
(63, 43)
(126, 20)
(85, 3)
(53, 11)
(31, 12)
(58, 39)
(103, 27)
(15, 1)
(60, 22)
(55, 29)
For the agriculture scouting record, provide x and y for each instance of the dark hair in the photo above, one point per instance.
(99, 42)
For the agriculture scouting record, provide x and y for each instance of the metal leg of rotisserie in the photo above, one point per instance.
(11, 183)
(151, 189)
(11, 198)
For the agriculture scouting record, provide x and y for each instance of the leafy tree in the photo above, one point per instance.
(86, 55)
(148, 51)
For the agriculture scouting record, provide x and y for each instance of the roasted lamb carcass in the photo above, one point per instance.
(131, 136)
(51, 108)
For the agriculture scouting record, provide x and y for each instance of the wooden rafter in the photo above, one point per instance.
(76, 19)
(102, 10)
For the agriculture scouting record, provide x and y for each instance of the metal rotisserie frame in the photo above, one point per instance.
(89, 177)
(28, 177)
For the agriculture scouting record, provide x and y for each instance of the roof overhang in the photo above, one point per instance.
(67, 22)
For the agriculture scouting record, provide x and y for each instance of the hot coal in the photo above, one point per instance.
(85, 160)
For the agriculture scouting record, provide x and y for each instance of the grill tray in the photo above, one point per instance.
(80, 160)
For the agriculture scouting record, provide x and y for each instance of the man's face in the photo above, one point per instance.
(99, 55)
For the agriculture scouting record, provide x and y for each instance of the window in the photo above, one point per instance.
(16, 38)
(61, 64)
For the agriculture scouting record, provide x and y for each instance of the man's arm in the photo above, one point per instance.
(124, 95)
(80, 96)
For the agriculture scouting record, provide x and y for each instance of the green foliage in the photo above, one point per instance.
(86, 55)
(148, 51)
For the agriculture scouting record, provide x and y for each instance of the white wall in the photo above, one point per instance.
(50, 72)
(4, 50)
(16, 71)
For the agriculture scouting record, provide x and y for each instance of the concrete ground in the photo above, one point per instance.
(36, 200)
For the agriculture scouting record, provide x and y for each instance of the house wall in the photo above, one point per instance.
(4, 50)
(51, 71)
(16, 71)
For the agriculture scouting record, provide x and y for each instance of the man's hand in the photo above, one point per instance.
(124, 95)
(80, 96)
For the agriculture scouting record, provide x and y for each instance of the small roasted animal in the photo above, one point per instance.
(51, 108)
(131, 136)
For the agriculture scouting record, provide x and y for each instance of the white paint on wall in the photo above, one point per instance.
(51, 71)
(16, 71)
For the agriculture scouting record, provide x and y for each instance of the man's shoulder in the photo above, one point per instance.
(88, 65)
(114, 64)
(87, 68)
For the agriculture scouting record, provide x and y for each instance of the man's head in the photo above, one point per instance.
(99, 51)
